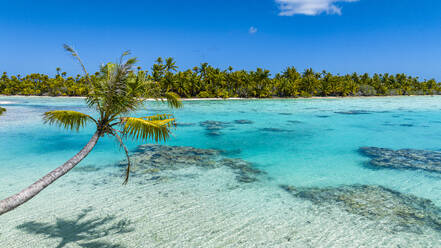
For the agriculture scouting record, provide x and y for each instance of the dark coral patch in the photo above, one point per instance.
(154, 159)
(405, 212)
(403, 158)
(243, 122)
(354, 112)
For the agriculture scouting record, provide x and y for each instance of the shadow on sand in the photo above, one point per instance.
(81, 230)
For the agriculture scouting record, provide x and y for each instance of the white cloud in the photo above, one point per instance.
(309, 7)
(252, 30)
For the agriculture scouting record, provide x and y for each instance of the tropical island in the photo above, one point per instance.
(206, 81)
(255, 146)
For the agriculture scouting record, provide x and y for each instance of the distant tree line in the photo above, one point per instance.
(206, 81)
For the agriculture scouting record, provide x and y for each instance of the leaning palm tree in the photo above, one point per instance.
(114, 93)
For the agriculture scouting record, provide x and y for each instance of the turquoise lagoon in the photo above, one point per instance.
(304, 143)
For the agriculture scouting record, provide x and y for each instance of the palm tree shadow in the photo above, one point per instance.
(81, 231)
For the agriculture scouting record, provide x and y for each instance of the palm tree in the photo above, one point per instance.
(170, 65)
(114, 93)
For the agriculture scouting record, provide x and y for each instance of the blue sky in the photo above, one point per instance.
(340, 36)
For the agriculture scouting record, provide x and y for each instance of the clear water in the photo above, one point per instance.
(300, 142)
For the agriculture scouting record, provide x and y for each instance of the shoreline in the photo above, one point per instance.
(241, 99)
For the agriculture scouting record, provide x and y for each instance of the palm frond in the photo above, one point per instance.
(173, 100)
(70, 50)
(121, 143)
(124, 54)
(130, 62)
(161, 117)
(75, 55)
(67, 119)
(144, 129)
(2, 110)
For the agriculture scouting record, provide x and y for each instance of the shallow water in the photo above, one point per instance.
(305, 143)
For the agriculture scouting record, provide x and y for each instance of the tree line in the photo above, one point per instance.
(206, 81)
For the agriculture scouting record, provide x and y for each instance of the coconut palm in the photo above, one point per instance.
(170, 65)
(114, 93)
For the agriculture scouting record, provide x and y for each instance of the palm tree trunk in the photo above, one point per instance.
(25, 195)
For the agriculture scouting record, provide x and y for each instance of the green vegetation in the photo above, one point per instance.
(2, 110)
(114, 93)
(206, 81)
